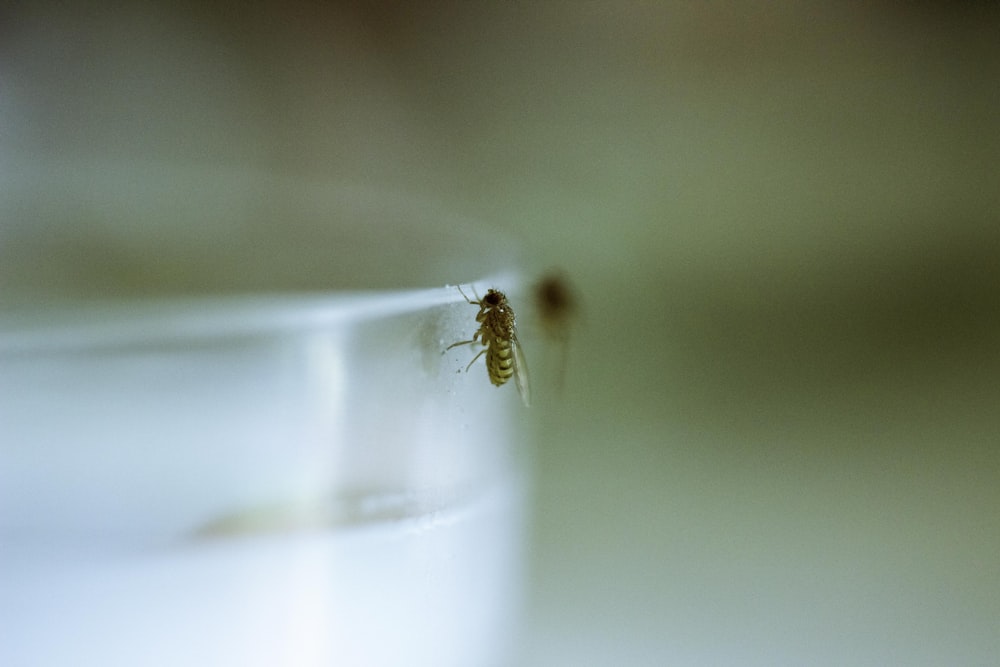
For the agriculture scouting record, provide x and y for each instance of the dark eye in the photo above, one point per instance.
(492, 298)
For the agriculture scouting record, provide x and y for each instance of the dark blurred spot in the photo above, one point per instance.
(556, 304)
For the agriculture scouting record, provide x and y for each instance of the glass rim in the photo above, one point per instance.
(90, 323)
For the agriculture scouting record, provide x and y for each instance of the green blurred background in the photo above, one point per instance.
(777, 442)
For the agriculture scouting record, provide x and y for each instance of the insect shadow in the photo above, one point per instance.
(558, 311)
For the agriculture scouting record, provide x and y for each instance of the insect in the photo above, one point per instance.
(497, 332)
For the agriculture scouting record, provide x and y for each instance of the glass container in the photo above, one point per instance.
(216, 449)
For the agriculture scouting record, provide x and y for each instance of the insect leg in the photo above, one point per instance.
(461, 342)
(474, 303)
(481, 353)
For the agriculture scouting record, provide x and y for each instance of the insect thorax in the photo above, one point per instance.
(499, 324)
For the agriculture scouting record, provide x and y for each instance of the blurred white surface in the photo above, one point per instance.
(439, 586)
(258, 481)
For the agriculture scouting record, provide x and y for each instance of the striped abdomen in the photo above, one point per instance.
(500, 361)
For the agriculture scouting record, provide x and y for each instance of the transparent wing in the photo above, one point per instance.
(520, 372)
